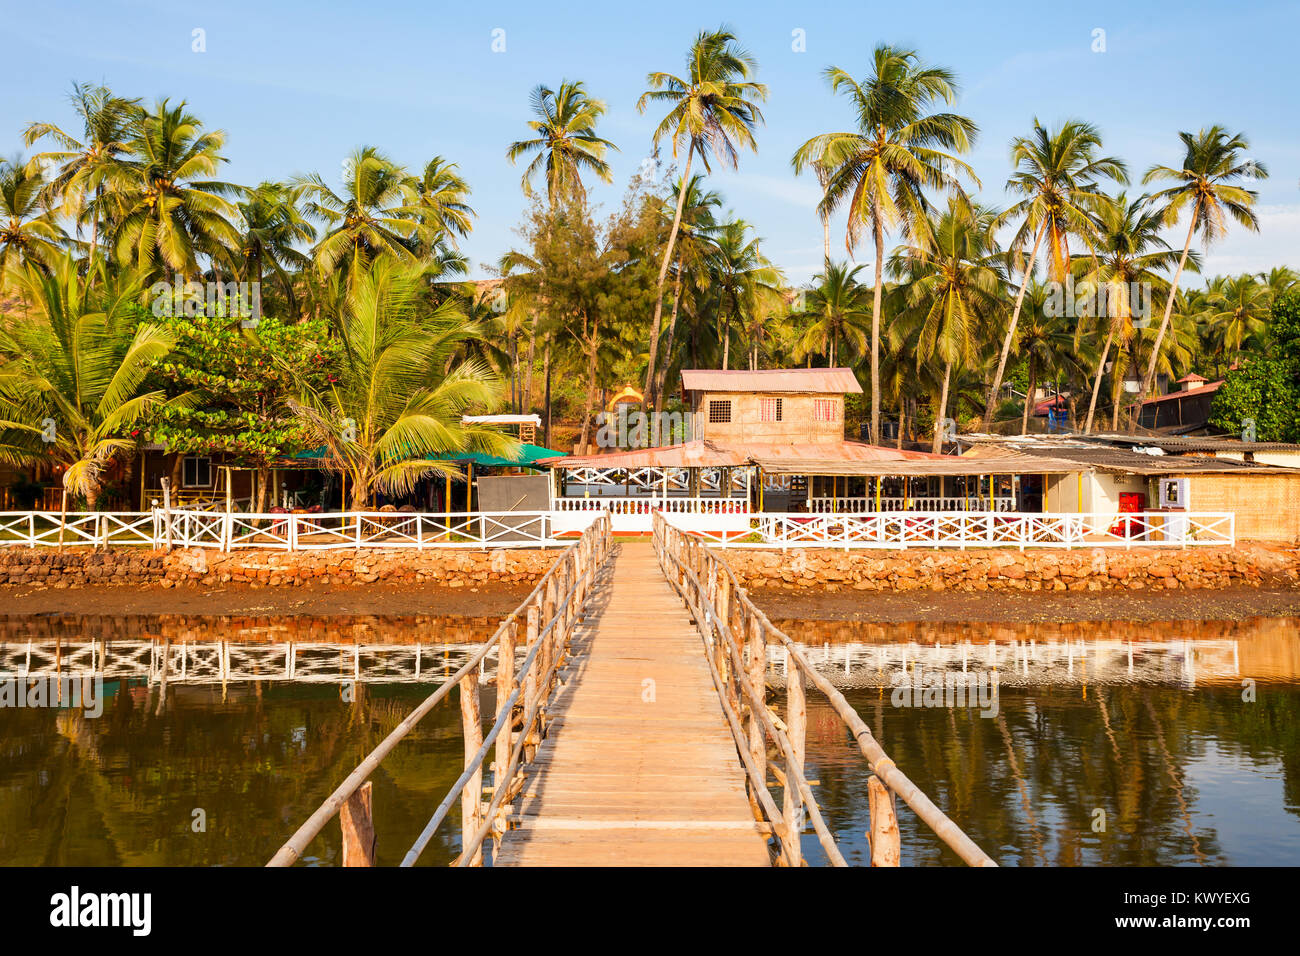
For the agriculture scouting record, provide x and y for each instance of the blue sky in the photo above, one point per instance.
(298, 85)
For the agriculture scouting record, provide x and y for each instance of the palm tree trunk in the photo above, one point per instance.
(1011, 329)
(1150, 375)
(726, 342)
(661, 377)
(263, 487)
(1096, 382)
(878, 231)
(546, 375)
(1029, 395)
(663, 274)
(943, 410)
(528, 371)
(590, 403)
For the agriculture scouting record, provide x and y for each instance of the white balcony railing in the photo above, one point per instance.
(867, 503)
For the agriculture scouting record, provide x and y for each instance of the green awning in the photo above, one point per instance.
(527, 457)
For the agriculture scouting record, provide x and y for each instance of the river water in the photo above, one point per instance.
(1114, 744)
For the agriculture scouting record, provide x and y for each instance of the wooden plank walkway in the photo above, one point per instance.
(638, 767)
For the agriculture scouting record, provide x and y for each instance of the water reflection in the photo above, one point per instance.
(1161, 759)
(1181, 769)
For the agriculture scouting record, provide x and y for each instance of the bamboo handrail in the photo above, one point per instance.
(672, 544)
(587, 554)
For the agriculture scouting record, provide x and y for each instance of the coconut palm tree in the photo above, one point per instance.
(880, 171)
(1057, 173)
(713, 110)
(1047, 344)
(166, 211)
(441, 201)
(1238, 312)
(1206, 186)
(86, 165)
(370, 217)
(1127, 249)
(694, 241)
(566, 144)
(955, 286)
(29, 231)
(837, 309)
(399, 392)
(270, 227)
(739, 272)
(73, 372)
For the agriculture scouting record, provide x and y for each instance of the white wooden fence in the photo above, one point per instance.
(292, 532)
(971, 529)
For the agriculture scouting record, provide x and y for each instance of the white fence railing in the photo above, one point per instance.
(725, 521)
(861, 505)
(961, 529)
(293, 532)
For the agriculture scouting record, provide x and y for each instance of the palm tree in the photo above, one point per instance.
(1047, 343)
(566, 144)
(399, 392)
(713, 109)
(167, 211)
(739, 272)
(1056, 173)
(694, 241)
(86, 165)
(881, 170)
(1212, 166)
(73, 372)
(1127, 249)
(372, 216)
(271, 227)
(954, 292)
(837, 309)
(440, 200)
(29, 232)
(1238, 312)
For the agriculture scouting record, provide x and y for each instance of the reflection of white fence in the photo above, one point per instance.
(212, 662)
(986, 529)
(1021, 663)
(867, 503)
(294, 532)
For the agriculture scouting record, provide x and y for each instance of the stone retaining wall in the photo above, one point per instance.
(451, 567)
(1031, 570)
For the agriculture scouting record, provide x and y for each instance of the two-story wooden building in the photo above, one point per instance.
(796, 406)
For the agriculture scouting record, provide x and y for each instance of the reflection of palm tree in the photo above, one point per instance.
(1020, 784)
(1172, 770)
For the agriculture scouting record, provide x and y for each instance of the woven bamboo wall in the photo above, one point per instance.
(1267, 506)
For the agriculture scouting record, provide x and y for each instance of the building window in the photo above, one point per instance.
(196, 472)
(825, 410)
(770, 410)
(719, 411)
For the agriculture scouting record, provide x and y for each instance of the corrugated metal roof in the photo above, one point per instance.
(836, 381)
(1176, 444)
(1124, 461)
(946, 465)
(709, 454)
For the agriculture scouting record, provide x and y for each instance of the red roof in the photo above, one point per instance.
(1191, 377)
(822, 381)
(1203, 390)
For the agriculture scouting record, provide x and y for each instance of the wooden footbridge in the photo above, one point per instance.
(633, 727)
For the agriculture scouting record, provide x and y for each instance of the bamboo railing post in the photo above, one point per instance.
(471, 798)
(357, 822)
(530, 681)
(758, 680)
(886, 848)
(796, 731)
(505, 687)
